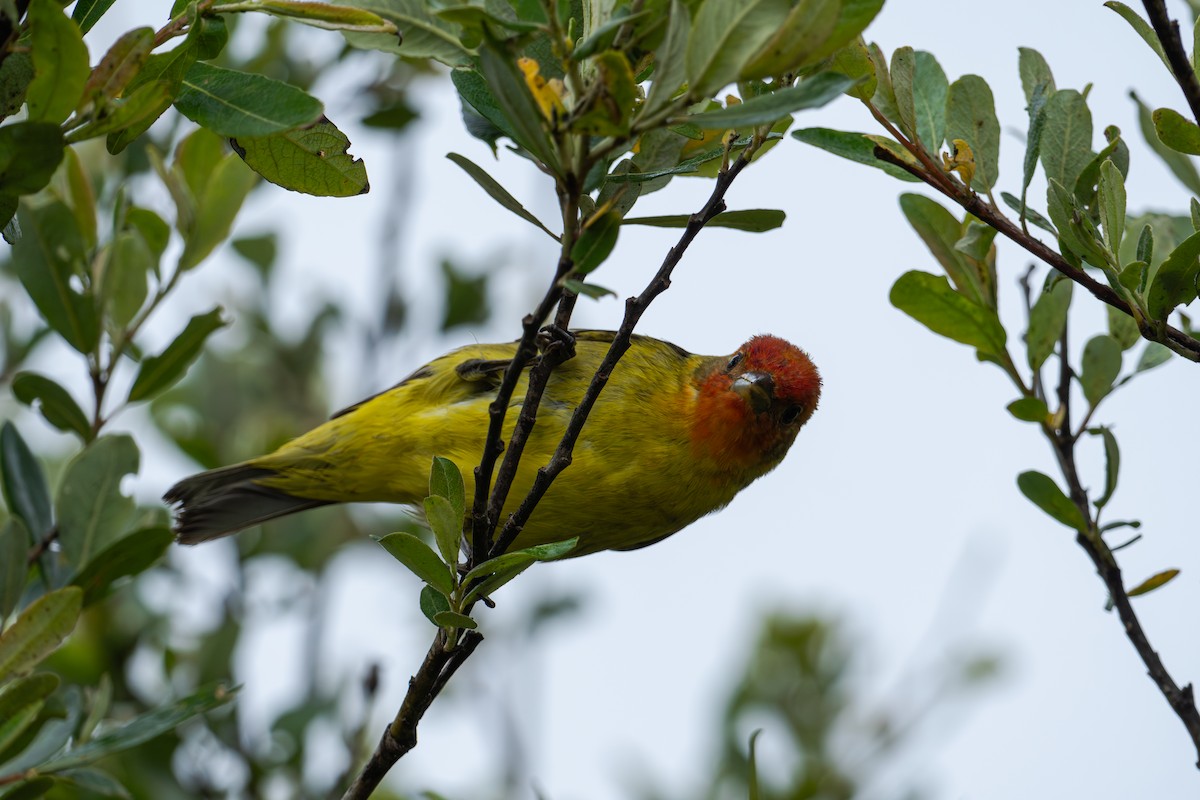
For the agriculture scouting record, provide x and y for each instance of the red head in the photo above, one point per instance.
(752, 404)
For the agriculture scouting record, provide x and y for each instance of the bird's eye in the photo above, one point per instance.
(733, 362)
(790, 414)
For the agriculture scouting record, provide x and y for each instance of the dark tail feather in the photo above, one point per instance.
(224, 501)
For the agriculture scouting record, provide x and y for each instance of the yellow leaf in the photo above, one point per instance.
(547, 93)
(960, 159)
(1153, 582)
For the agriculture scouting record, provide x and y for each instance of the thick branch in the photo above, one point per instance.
(1172, 45)
(1179, 342)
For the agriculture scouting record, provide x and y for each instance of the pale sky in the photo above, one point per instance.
(896, 511)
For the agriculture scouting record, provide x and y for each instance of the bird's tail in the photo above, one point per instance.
(224, 501)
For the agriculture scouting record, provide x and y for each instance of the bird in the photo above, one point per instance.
(673, 437)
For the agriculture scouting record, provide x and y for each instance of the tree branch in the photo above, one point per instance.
(442, 662)
(1178, 341)
(1063, 442)
(1172, 45)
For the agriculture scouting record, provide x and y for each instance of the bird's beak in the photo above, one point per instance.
(757, 389)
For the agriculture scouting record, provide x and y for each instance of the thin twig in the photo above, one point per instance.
(1172, 45)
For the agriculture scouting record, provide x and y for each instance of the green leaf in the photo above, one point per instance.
(1112, 463)
(592, 290)
(1175, 281)
(55, 403)
(451, 619)
(669, 60)
(1145, 244)
(1155, 581)
(1044, 493)
(516, 106)
(92, 512)
(60, 63)
(136, 112)
(494, 573)
(314, 160)
(420, 560)
(1047, 319)
(857, 147)
(756, 220)
(30, 152)
(794, 40)
(1101, 365)
(88, 12)
(1076, 230)
(1154, 355)
(1122, 328)
(425, 35)
(498, 192)
(165, 69)
(231, 181)
(854, 60)
(160, 372)
(1033, 142)
(1143, 29)
(117, 68)
(766, 109)
(976, 242)
(619, 91)
(551, 551)
(24, 484)
(940, 232)
(433, 603)
(902, 69)
(16, 71)
(94, 782)
(475, 95)
(20, 702)
(724, 38)
(1029, 409)
(38, 631)
(1035, 72)
(49, 254)
(327, 16)
(14, 547)
(1176, 131)
(141, 729)
(1112, 206)
(446, 526)
(446, 481)
(1066, 143)
(971, 116)
(595, 242)
(930, 93)
(129, 555)
(930, 300)
(238, 104)
(1033, 217)
(1180, 165)
(123, 282)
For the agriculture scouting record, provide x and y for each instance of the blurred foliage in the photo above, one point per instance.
(796, 724)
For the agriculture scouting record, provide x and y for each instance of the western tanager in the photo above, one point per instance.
(673, 437)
